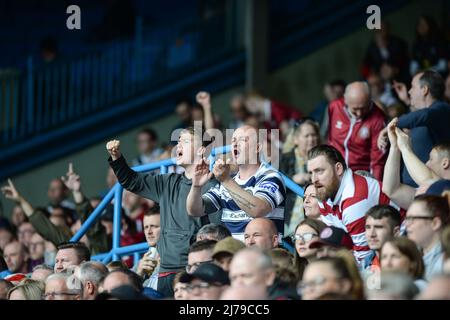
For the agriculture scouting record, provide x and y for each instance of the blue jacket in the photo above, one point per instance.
(428, 127)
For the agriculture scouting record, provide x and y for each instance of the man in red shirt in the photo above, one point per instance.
(354, 125)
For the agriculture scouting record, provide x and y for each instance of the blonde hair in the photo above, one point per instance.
(30, 289)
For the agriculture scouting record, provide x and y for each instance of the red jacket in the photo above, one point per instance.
(357, 139)
(280, 112)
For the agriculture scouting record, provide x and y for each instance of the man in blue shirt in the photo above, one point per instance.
(429, 123)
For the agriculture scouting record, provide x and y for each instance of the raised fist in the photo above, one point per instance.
(203, 99)
(113, 148)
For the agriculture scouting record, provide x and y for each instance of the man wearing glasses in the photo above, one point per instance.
(425, 219)
(62, 286)
(200, 252)
(207, 282)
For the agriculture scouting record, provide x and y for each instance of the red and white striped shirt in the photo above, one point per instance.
(355, 196)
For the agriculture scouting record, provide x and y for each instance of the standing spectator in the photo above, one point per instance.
(170, 191)
(306, 231)
(147, 145)
(355, 123)
(428, 124)
(255, 191)
(386, 54)
(199, 253)
(293, 164)
(24, 233)
(57, 195)
(425, 219)
(382, 224)
(428, 50)
(402, 255)
(345, 197)
(239, 112)
(261, 232)
(183, 110)
(6, 236)
(224, 251)
(332, 90)
(17, 258)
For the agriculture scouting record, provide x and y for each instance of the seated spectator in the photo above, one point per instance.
(180, 288)
(306, 231)
(437, 289)
(401, 255)
(213, 231)
(5, 286)
(41, 272)
(18, 216)
(445, 241)
(293, 164)
(286, 276)
(71, 254)
(310, 202)
(120, 278)
(148, 266)
(261, 232)
(62, 286)
(27, 290)
(37, 250)
(393, 286)
(328, 275)
(354, 125)
(428, 50)
(428, 124)
(345, 197)
(252, 267)
(425, 219)
(117, 265)
(147, 145)
(207, 282)
(37, 217)
(90, 274)
(6, 236)
(17, 257)
(224, 250)
(382, 92)
(125, 292)
(24, 233)
(258, 292)
(199, 253)
(382, 224)
(331, 240)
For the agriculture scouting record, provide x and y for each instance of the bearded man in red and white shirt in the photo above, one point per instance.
(344, 197)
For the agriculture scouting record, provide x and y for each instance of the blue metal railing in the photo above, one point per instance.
(116, 194)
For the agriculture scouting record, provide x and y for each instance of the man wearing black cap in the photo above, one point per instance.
(206, 283)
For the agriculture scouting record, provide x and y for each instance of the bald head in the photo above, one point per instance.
(261, 232)
(245, 146)
(357, 99)
(438, 288)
